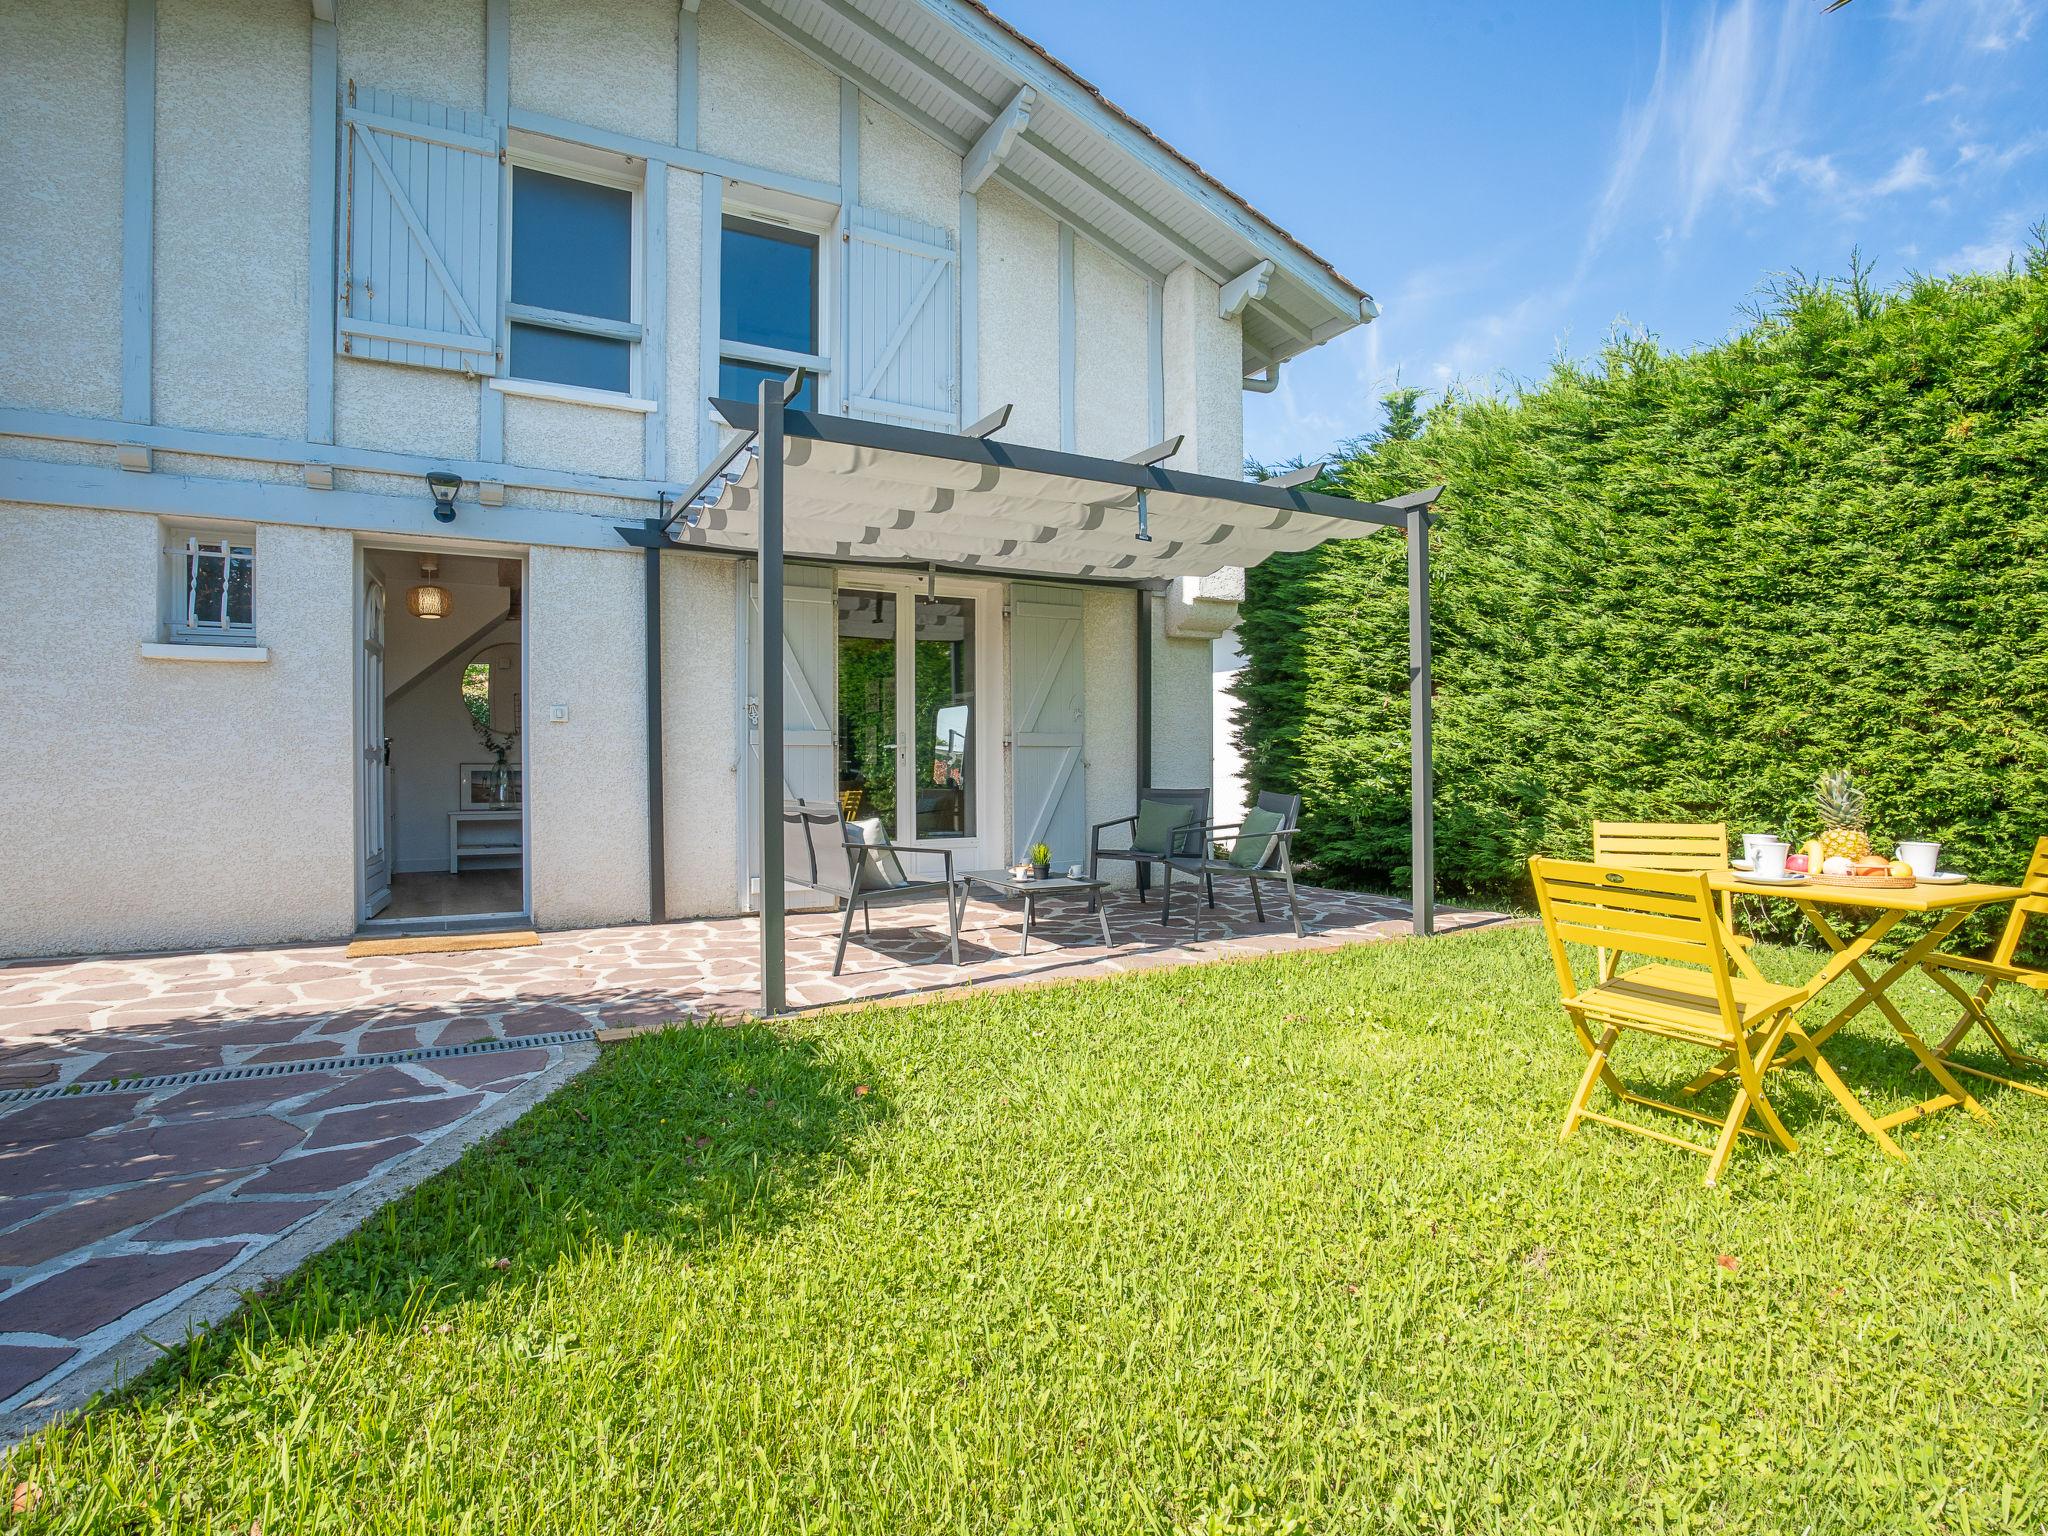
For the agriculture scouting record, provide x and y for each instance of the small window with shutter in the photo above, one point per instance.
(211, 585)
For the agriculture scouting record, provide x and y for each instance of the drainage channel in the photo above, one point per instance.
(17, 1096)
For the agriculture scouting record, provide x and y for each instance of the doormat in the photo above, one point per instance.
(443, 943)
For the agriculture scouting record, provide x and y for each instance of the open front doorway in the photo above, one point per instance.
(441, 793)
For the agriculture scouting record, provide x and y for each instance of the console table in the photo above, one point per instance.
(483, 835)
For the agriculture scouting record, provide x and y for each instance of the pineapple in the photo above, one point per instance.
(1842, 816)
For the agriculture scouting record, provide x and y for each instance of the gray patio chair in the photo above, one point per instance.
(1186, 810)
(1262, 848)
(820, 852)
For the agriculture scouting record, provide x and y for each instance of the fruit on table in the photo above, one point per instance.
(1843, 816)
(1870, 865)
(1836, 866)
(1900, 869)
(1798, 863)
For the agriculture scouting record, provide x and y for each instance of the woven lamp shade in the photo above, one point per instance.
(428, 601)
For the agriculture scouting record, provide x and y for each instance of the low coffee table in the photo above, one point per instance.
(1031, 890)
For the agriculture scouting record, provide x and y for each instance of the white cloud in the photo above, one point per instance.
(2001, 244)
(1719, 107)
(1989, 157)
(1910, 171)
(1979, 26)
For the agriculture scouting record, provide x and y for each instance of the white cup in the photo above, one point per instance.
(1750, 840)
(1075, 871)
(1769, 858)
(1924, 857)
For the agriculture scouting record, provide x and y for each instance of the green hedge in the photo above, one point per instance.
(1679, 586)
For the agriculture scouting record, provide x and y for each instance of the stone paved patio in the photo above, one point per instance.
(119, 1206)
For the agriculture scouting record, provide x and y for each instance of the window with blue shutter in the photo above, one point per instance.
(902, 321)
(419, 278)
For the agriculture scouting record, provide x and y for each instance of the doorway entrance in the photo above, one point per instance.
(441, 795)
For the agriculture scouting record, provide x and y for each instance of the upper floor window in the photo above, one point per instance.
(768, 321)
(213, 585)
(573, 310)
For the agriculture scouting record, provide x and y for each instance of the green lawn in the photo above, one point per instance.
(1281, 1246)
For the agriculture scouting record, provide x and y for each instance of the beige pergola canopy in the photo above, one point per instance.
(860, 490)
(795, 484)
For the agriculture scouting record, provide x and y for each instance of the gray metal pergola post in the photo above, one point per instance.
(1421, 776)
(769, 792)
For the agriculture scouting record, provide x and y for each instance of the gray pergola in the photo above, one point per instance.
(876, 493)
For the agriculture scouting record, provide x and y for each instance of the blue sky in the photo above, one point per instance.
(1512, 180)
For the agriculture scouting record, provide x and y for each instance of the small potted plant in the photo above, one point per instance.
(1041, 861)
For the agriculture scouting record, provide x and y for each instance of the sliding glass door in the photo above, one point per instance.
(915, 741)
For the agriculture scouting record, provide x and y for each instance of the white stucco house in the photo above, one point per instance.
(356, 368)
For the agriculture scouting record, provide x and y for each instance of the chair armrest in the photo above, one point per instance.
(1095, 833)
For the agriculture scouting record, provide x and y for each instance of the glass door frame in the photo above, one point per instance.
(986, 762)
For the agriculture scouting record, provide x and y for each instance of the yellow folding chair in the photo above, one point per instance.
(2002, 967)
(1682, 846)
(1701, 1000)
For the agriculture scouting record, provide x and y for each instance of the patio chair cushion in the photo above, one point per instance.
(1158, 820)
(882, 871)
(1255, 839)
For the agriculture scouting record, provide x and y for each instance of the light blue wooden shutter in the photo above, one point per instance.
(902, 321)
(1046, 697)
(420, 258)
(810, 657)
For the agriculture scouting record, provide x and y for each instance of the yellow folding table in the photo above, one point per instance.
(1950, 904)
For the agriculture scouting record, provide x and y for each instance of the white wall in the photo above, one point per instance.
(740, 65)
(586, 778)
(158, 804)
(60, 224)
(609, 63)
(231, 197)
(1020, 315)
(1226, 662)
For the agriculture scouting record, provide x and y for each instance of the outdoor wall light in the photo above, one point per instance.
(444, 483)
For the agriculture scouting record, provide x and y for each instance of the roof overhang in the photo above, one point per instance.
(872, 491)
(955, 70)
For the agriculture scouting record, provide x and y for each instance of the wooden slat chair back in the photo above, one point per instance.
(1671, 845)
(2001, 968)
(1691, 993)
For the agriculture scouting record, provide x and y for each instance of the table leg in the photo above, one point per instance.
(1102, 912)
(1846, 959)
(1976, 1011)
(1873, 992)
(1029, 903)
(1844, 956)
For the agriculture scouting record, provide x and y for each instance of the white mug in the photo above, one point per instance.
(1924, 857)
(1769, 858)
(1750, 840)
(1074, 871)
